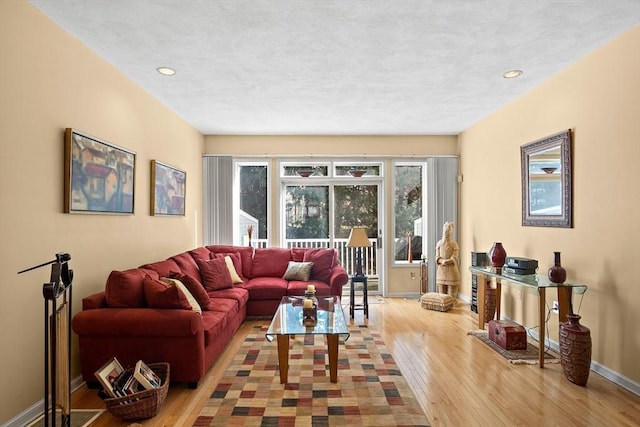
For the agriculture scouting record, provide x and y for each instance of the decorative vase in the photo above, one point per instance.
(557, 274)
(575, 350)
(249, 232)
(489, 303)
(497, 255)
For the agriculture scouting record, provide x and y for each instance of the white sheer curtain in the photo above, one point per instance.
(442, 206)
(217, 200)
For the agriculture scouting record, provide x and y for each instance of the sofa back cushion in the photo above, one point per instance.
(270, 262)
(200, 253)
(323, 261)
(125, 289)
(187, 264)
(297, 254)
(246, 254)
(163, 268)
(215, 274)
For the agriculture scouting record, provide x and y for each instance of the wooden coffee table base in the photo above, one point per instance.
(283, 357)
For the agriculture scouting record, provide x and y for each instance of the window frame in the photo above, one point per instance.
(406, 162)
(237, 165)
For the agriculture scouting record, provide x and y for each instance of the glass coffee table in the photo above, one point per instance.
(288, 322)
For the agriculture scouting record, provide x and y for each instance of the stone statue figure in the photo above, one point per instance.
(447, 260)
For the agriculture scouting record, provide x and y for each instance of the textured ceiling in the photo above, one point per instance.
(348, 67)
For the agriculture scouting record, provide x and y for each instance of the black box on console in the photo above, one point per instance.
(478, 259)
(521, 263)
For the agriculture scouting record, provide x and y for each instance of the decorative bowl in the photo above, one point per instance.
(357, 172)
(549, 170)
(305, 173)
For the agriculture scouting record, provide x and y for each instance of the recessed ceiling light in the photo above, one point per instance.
(512, 74)
(166, 71)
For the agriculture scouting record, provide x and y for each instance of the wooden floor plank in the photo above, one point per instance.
(457, 379)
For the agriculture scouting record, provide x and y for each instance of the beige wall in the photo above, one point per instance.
(398, 279)
(49, 81)
(599, 99)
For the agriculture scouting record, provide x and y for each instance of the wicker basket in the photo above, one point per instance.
(145, 404)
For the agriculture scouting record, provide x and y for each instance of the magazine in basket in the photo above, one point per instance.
(145, 376)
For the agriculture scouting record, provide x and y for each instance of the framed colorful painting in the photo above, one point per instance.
(99, 176)
(168, 187)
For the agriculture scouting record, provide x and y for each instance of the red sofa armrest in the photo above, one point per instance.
(141, 322)
(337, 279)
(98, 300)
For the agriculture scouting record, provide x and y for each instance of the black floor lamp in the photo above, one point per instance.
(358, 239)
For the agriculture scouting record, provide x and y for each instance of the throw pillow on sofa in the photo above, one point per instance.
(215, 274)
(168, 294)
(195, 287)
(124, 289)
(234, 265)
(298, 271)
(245, 252)
(322, 259)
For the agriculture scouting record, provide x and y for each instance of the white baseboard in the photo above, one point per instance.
(35, 410)
(596, 367)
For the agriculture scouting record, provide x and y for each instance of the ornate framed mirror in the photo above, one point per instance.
(546, 181)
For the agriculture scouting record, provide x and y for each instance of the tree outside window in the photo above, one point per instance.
(408, 211)
(253, 200)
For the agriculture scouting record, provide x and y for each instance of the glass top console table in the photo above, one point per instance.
(536, 282)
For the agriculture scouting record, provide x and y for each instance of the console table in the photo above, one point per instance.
(531, 281)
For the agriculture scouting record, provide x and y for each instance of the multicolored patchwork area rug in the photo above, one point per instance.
(370, 391)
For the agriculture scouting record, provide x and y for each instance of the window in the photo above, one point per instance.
(253, 204)
(321, 204)
(409, 227)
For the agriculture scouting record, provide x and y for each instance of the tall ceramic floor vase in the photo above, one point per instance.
(497, 255)
(489, 303)
(575, 350)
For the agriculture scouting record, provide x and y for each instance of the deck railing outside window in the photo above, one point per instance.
(347, 256)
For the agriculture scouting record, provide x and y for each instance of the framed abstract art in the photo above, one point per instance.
(99, 176)
(168, 187)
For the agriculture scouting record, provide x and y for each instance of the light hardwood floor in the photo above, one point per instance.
(458, 380)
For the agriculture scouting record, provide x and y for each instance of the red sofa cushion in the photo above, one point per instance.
(160, 294)
(214, 273)
(214, 323)
(125, 289)
(195, 287)
(266, 288)
(236, 293)
(297, 287)
(322, 259)
(235, 259)
(187, 264)
(246, 254)
(297, 254)
(270, 262)
(163, 268)
(200, 253)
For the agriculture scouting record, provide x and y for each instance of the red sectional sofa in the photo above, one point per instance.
(141, 314)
